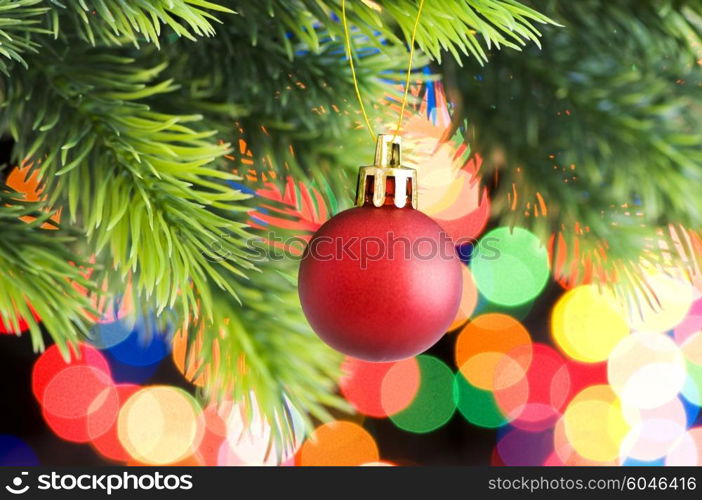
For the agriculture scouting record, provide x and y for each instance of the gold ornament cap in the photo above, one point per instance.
(387, 182)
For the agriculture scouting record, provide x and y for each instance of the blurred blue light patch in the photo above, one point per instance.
(144, 346)
(106, 335)
(465, 252)
(241, 187)
(16, 453)
(640, 463)
(692, 410)
(136, 358)
(129, 374)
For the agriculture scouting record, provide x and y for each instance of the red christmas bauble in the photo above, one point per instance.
(380, 283)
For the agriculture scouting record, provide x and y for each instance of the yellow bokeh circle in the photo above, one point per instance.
(159, 425)
(595, 425)
(587, 323)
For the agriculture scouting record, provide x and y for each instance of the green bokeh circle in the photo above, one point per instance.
(434, 404)
(477, 405)
(510, 266)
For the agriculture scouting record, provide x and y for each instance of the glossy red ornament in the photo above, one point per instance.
(381, 281)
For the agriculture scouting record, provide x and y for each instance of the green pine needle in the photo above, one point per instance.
(39, 270)
(19, 23)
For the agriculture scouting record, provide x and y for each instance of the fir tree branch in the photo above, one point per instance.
(611, 146)
(137, 181)
(266, 349)
(312, 122)
(460, 27)
(39, 273)
(299, 131)
(142, 186)
(116, 22)
(19, 20)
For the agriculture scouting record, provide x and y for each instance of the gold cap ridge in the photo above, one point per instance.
(387, 165)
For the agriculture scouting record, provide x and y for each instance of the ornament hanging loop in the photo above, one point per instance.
(388, 151)
(387, 182)
(349, 55)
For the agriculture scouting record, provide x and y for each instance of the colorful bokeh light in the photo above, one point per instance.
(450, 190)
(338, 443)
(109, 334)
(519, 312)
(380, 389)
(159, 425)
(646, 370)
(143, 346)
(670, 304)
(80, 403)
(487, 343)
(518, 447)
(434, 404)
(691, 348)
(595, 425)
(249, 438)
(511, 266)
(687, 450)
(108, 443)
(537, 400)
(691, 324)
(52, 361)
(565, 455)
(469, 300)
(587, 323)
(477, 406)
(653, 432)
(14, 452)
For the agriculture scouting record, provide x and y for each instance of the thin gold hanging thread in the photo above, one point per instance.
(349, 54)
(409, 68)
